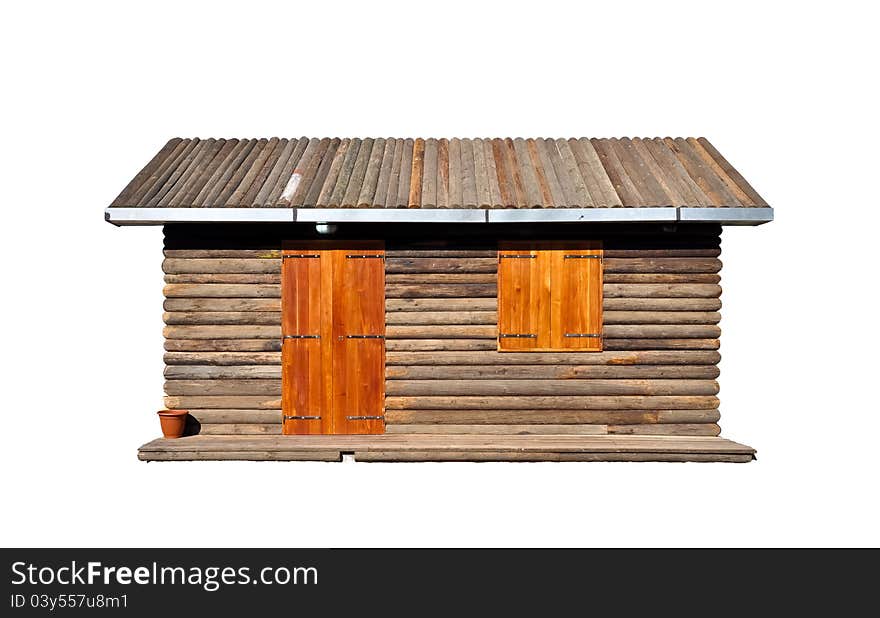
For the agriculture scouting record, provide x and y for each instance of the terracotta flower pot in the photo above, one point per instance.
(173, 422)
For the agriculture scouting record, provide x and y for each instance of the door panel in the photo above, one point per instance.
(303, 395)
(359, 341)
(333, 355)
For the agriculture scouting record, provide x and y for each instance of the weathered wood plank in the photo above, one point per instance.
(223, 332)
(661, 304)
(434, 278)
(223, 358)
(539, 387)
(223, 401)
(581, 430)
(440, 290)
(550, 416)
(236, 416)
(222, 317)
(498, 372)
(225, 278)
(441, 331)
(441, 317)
(677, 357)
(227, 345)
(239, 429)
(440, 304)
(411, 345)
(208, 290)
(440, 265)
(225, 386)
(661, 331)
(661, 344)
(624, 290)
(222, 304)
(440, 455)
(585, 402)
(662, 265)
(686, 429)
(215, 372)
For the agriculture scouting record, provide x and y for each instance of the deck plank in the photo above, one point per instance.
(460, 447)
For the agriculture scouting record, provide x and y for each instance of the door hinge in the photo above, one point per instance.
(582, 257)
(518, 336)
(518, 257)
(583, 335)
(310, 255)
(365, 418)
(300, 418)
(365, 336)
(365, 257)
(301, 337)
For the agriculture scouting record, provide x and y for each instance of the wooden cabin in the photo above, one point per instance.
(438, 300)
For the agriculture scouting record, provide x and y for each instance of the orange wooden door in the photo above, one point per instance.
(333, 351)
(359, 341)
(576, 299)
(304, 399)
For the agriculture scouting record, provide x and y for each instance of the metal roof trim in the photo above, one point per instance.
(726, 216)
(159, 216)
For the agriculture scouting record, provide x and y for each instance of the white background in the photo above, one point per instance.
(92, 90)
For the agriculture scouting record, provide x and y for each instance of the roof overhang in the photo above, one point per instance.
(161, 216)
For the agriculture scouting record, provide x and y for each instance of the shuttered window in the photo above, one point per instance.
(550, 296)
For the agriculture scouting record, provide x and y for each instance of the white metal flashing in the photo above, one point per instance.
(159, 216)
(391, 215)
(726, 216)
(586, 215)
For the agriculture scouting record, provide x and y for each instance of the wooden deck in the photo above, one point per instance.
(425, 447)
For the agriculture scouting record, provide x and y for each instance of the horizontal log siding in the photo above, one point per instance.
(656, 374)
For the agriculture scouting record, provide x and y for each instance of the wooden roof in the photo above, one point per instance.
(438, 173)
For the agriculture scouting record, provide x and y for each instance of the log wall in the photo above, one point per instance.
(656, 375)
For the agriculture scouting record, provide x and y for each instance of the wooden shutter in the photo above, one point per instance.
(550, 296)
(304, 398)
(359, 341)
(576, 299)
(523, 298)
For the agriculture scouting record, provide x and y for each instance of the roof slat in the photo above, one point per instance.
(637, 170)
(317, 184)
(443, 173)
(574, 173)
(265, 150)
(697, 169)
(309, 172)
(726, 173)
(286, 148)
(287, 171)
(455, 189)
(620, 180)
(429, 175)
(206, 151)
(468, 175)
(271, 157)
(491, 174)
(384, 173)
(124, 197)
(403, 180)
(394, 176)
(415, 179)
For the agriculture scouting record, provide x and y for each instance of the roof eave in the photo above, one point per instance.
(160, 216)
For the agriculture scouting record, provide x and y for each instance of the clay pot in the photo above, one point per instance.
(173, 422)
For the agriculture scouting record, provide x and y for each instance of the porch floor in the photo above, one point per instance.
(461, 447)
